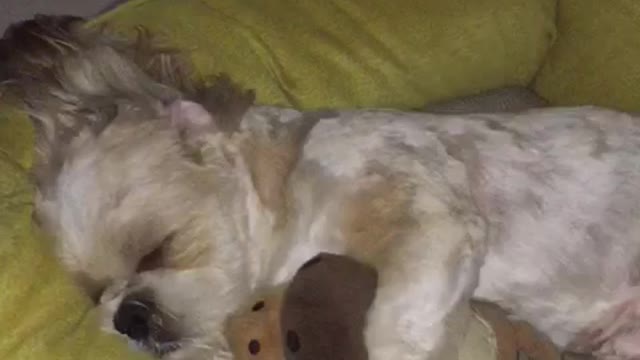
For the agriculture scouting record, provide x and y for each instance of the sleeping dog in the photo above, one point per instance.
(171, 203)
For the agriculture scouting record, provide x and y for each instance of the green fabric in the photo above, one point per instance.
(596, 59)
(355, 53)
(330, 53)
(42, 315)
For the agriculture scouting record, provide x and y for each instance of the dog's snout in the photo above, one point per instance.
(132, 319)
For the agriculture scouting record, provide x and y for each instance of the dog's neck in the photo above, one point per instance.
(270, 144)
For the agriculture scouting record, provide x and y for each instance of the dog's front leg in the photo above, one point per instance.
(424, 287)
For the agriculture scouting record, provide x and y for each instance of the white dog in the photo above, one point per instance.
(174, 211)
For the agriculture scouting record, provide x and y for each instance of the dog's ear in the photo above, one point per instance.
(191, 118)
(226, 101)
(270, 153)
(216, 108)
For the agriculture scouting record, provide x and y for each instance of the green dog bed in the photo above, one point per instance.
(332, 53)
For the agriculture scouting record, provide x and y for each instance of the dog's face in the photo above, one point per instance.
(144, 217)
(152, 199)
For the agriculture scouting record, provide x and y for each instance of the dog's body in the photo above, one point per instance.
(411, 193)
(168, 208)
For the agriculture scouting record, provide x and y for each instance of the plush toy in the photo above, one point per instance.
(321, 314)
(325, 308)
(516, 340)
(254, 331)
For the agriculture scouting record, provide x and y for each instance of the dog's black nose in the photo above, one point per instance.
(132, 319)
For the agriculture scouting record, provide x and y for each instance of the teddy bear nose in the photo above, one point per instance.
(132, 319)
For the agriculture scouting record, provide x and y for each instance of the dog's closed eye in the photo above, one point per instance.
(155, 259)
(151, 261)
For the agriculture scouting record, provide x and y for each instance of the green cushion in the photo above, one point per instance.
(331, 53)
(42, 315)
(355, 53)
(596, 59)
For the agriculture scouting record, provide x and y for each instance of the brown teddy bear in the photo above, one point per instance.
(254, 331)
(320, 315)
(325, 307)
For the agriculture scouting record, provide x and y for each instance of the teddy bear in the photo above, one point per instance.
(320, 314)
(254, 331)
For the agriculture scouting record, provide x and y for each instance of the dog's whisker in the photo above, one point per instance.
(166, 312)
(140, 303)
(197, 343)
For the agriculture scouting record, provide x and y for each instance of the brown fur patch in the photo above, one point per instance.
(226, 101)
(376, 216)
(272, 157)
(270, 164)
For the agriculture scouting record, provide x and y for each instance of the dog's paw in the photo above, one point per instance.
(392, 335)
(616, 336)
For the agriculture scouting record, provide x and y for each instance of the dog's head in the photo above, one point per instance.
(145, 186)
(135, 204)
